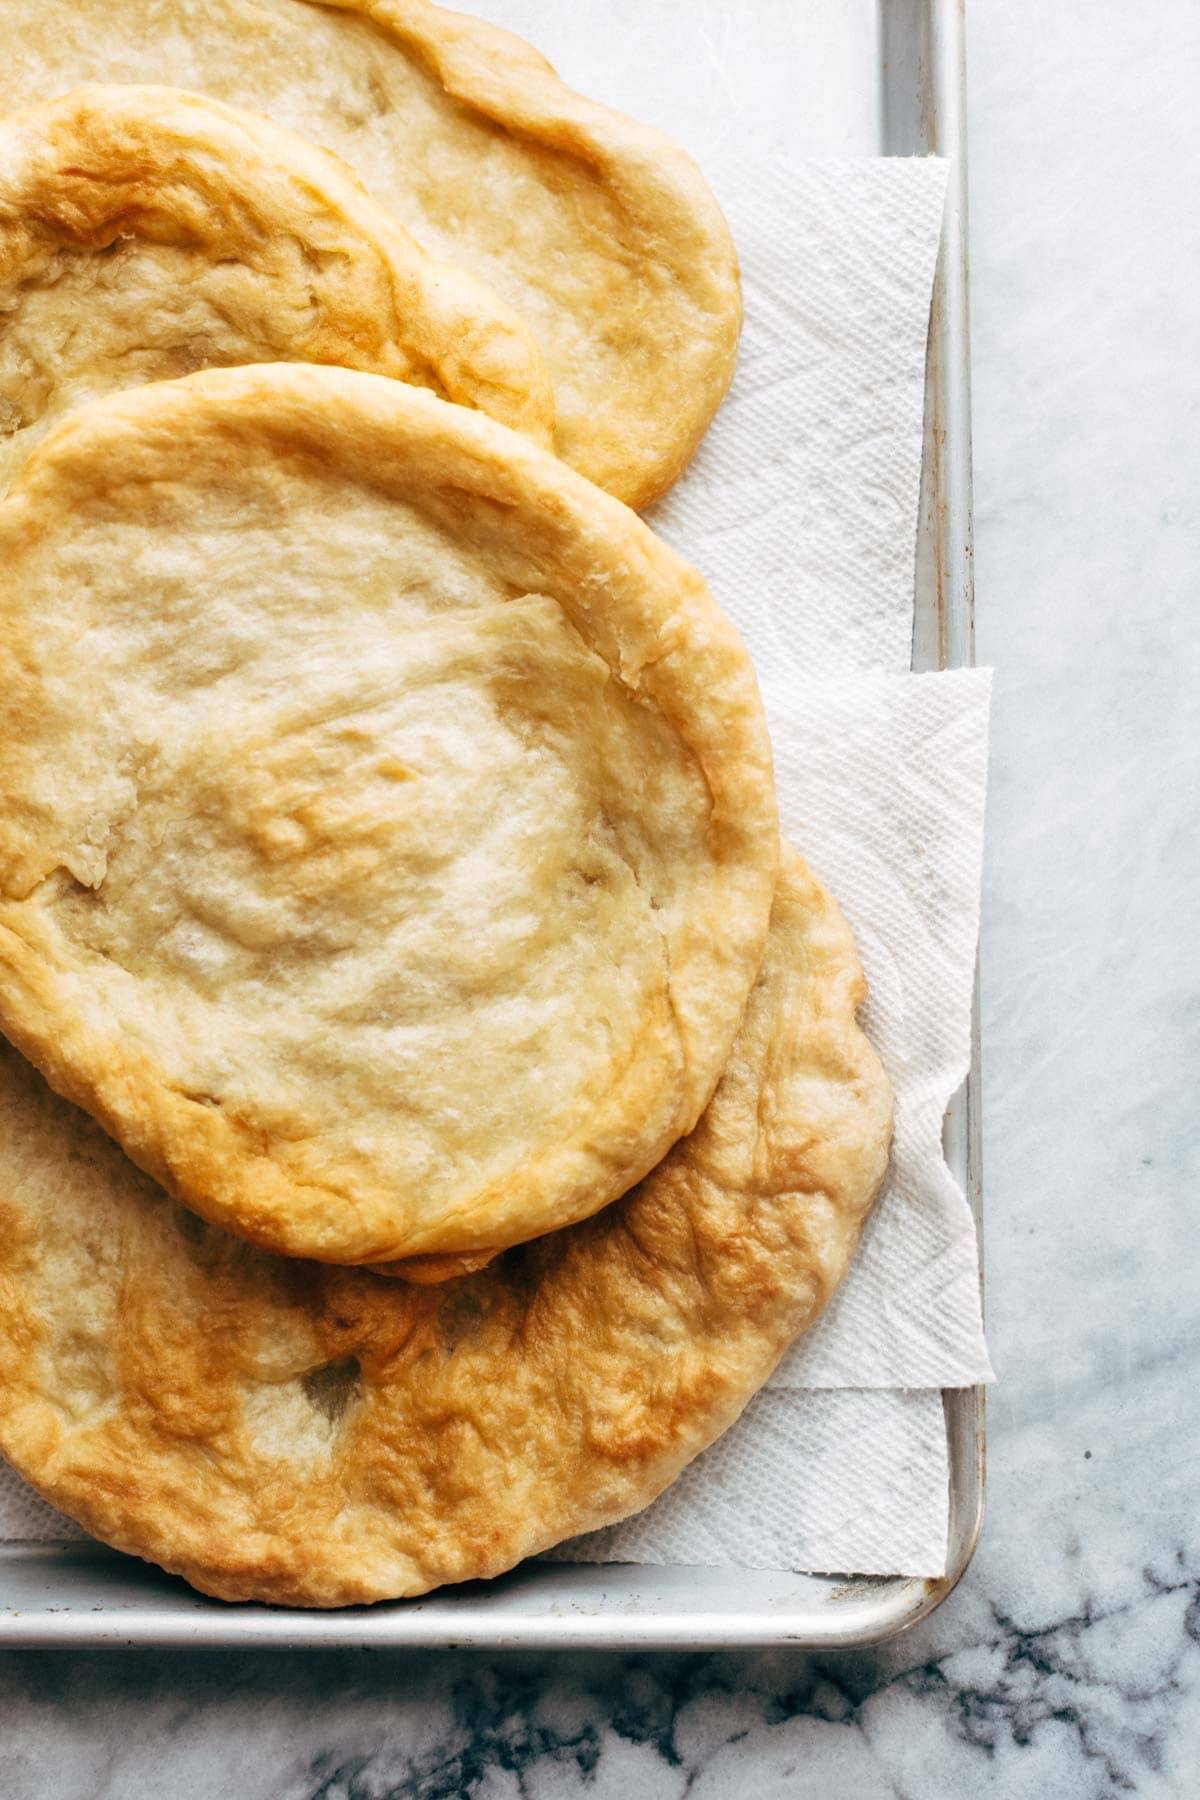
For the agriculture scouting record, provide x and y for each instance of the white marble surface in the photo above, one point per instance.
(1068, 1664)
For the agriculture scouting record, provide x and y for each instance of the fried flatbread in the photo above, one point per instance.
(387, 827)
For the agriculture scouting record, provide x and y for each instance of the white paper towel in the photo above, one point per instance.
(881, 783)
(801, 504)
(831, 1480)
(801, 509)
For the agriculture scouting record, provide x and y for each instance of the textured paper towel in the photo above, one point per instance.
(801, 504)
(881, 783)
(830, 1480)
(801, 509)
(25, 1518)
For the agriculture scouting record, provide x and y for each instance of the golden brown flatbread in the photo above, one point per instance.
(281, 1431)
(387, 828)
(600, 231)
(145, 233)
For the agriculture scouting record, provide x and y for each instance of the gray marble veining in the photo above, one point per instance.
(1068, 1664)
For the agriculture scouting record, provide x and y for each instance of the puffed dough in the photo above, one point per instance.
(387, 827)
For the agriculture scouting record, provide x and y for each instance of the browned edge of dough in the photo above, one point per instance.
(106, 162)
(503, 78)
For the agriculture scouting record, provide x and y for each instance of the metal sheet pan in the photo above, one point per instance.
(84, 1595)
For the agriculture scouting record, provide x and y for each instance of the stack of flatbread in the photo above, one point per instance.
(432, 1097)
